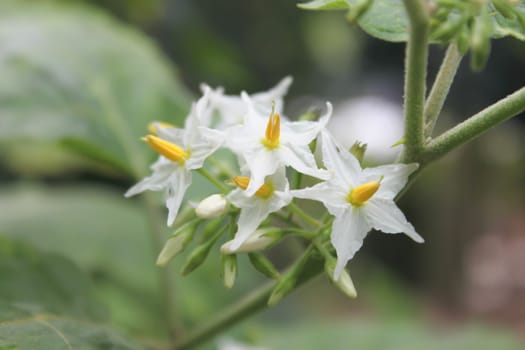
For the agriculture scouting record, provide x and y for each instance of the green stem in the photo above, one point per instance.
(441, 87)
(415, 78)
(310, 220)
(213, 180)
(476, 125)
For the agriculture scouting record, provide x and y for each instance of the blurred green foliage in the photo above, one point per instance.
(77, 91)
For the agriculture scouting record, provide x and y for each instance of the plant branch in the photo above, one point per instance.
(207, 175)
(441, 87)
(474, 126)
(415, 78)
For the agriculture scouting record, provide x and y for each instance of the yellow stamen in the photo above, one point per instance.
(273, 131)
(152, 127)
(265, 191)
(360, 194)
(167, 149)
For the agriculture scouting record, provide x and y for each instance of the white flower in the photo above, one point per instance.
(182, 150)
(267, 144)
(271, 196)
(211, 207)
(231, 109)
(360, 199)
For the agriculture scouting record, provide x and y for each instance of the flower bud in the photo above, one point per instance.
(197, 257)
(211, 207)
(480, 42)
(229, 269)
(177, 243)
(263, 265)
(358, 149)
(344, 282)
(258, 240)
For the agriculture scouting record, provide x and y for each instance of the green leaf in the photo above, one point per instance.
(387, 20)
(48, 303)
(318, 5)
(106, 236)
(102, 233)
(72, 73)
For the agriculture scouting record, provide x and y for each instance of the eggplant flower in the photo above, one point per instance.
(231, 109)
(266, 144)
(360, 199)
(271, 196)
(181, 150)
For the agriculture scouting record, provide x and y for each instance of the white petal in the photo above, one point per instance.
(277, 92)
(158, 180)
(384, 215)
(207, 143)
(301, 159)
(249, 219)
(345, 166)
(303, 132)
(331, 196)
(261, 164)
(179, 181)
(348, 232)
(395, 177)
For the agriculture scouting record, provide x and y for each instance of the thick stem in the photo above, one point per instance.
(476, 125)
(441, 87)
(415, 78)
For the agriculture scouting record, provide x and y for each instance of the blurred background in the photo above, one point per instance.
(81, 79)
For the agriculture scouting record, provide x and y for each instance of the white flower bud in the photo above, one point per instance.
(258, 240)
(344, 282)
(211, 207)
(346, 285)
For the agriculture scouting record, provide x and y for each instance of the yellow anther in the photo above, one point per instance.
(167, 149)
(265, 191)
(273, 131)
(152, 127)
(360, 194)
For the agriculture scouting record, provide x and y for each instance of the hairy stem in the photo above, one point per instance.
(415, 78)
(476, 125)
(441, 87)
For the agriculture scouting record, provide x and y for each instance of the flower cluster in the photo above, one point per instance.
(267, 145)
